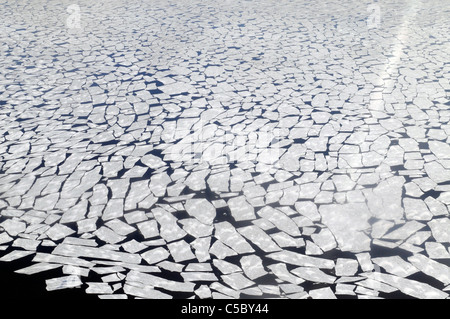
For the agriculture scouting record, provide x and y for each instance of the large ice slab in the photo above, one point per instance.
(228, 235)
(395, 265)
(201, 209)
(95, 253)
(241, 209)
(281, 271)
(405, 231)
(348, 223)
(280, 220)
(302, 260)
(253, 267)
(432, 268)
(37, 268)
(65, 282)
(439, 228)
(146, 292)
(159, 282)
(314, 275)
(409, 287)
(258, 237)
(385, 202)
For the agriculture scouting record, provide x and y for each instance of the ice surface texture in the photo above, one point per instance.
(227, 149)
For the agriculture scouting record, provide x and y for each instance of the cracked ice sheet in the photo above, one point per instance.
(76, 158)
